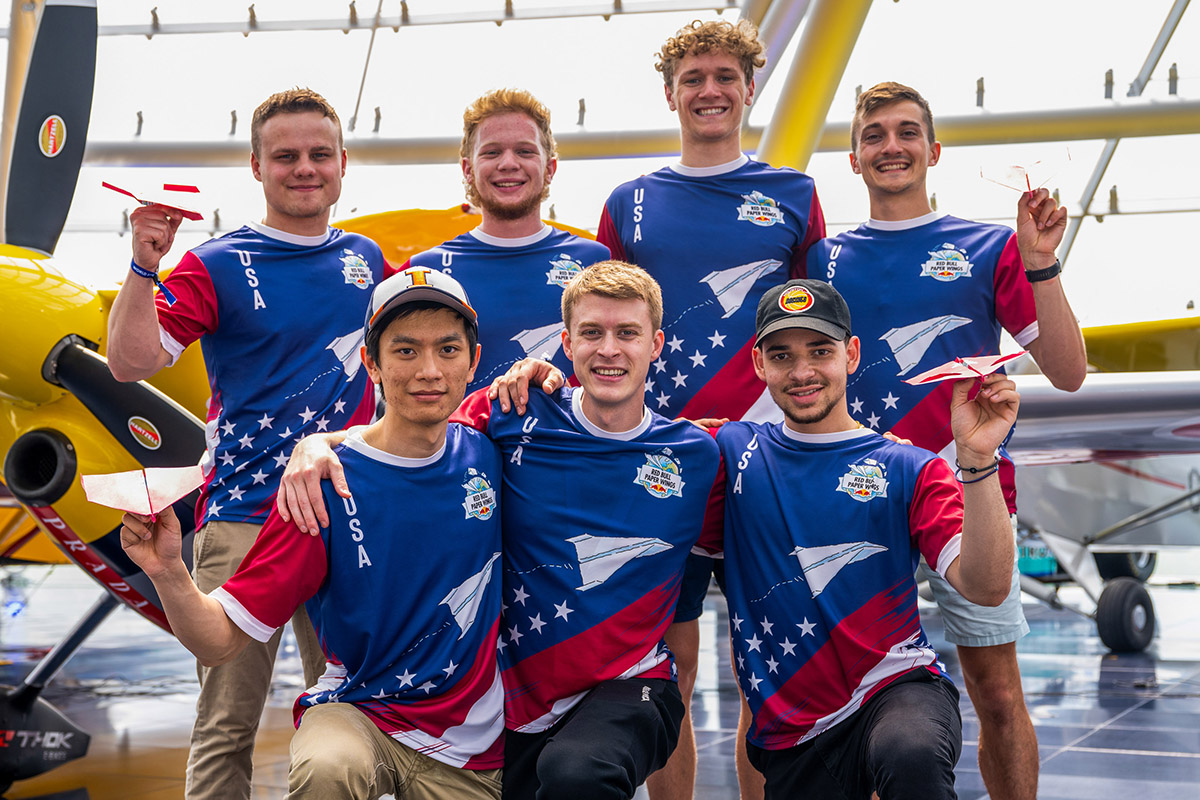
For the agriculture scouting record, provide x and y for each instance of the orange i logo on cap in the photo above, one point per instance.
(795, 300)
(417, 274)
(52, 137)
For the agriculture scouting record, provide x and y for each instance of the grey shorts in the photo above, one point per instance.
(971, 625)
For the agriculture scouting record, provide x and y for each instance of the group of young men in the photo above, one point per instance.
(516, 590)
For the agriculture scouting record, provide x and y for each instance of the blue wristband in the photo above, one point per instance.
(145, 273)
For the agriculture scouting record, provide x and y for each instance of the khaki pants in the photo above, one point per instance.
(232, 695)
(338, 752)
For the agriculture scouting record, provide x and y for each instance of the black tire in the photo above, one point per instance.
(1138, 565)
(1125, 616)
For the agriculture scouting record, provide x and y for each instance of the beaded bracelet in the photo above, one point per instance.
(145, 273)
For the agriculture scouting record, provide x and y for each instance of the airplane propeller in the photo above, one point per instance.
(52, 125)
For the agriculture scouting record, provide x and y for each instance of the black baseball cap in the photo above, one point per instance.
(803, 303)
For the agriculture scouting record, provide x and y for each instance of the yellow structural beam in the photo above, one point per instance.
(826, 42)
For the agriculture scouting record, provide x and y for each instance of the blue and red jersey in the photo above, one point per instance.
(279, 318)
(715, 239)
(404, 595)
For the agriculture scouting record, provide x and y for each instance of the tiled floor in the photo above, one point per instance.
(1108, 726)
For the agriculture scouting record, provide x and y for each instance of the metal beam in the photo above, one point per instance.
(778, 27)
(812, 79)
(1110, 147)
(1129, 119)
(256, 24)
(756, 10)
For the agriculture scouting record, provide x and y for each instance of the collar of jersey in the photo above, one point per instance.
(521, 241)
(600, 433)
(354, 441)
(824, 438)
(904, 224)
(290, 238)
(708, 172)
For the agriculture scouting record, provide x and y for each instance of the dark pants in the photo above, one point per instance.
(604, 748)
(903, 743)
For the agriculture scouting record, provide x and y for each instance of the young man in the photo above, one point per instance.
(412, 704)
(847, 695)
(716, 230)
(509, 158)
(603, 501)
(279, 367)
(928, 288)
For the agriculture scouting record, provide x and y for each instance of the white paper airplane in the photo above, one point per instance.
(142, 491)
(348, 350)
(822, 564)
(540, 342)
(973, 367)
(910, 342)
(732, 285)
(601, 556)
(169, 195)
(464, 600)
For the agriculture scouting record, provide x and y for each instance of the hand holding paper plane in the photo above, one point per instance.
(142, 491)
(170, 196)
(974, 367)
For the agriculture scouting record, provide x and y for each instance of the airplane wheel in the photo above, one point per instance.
(1125, 616)
(1137, 565)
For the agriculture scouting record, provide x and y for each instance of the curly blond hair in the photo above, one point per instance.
(617, 280)
(739, 40)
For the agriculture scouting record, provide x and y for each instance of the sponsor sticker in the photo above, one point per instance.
(52, 136)
(760, 210)
(144, 433)
(562, 270)
(355, 270)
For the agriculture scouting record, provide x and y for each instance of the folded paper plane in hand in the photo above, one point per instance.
(170, 196)
(1027, 177)
(975, 367)
(142, 491)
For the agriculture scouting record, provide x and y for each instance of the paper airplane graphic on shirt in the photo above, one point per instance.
(822, 564)
(142, 491)
(169, 195)
(910, 342)
(540, 342)
(348, 350)
(732, 285)
(601, 556)
(464, 600)
(974, 367)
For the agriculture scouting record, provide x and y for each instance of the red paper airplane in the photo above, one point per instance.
(169, 196)
(975, 367)
(142, 491)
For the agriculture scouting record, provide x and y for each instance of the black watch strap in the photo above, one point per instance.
(1037, 275)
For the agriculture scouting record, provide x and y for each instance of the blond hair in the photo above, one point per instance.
(291, 101)
(884, 94)
(739, 40)
(617, 280)
(505, 101)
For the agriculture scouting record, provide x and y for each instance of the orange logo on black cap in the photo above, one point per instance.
(52, 137)
(795, 300)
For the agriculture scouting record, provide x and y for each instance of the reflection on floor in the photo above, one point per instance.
(1108, 726)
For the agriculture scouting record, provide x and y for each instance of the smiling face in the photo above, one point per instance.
(894, 152)
(425, 363)
(611, 343)
(508, 168)
(300, 163)
(806, 372)
(709, 92)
